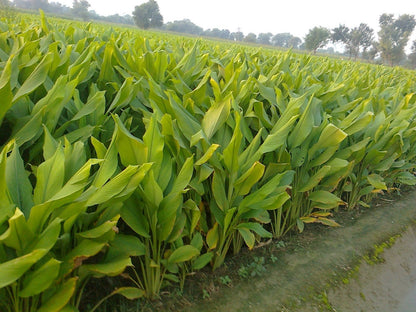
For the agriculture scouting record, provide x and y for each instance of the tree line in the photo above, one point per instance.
(357, 42)
(80, 9)
(393, 37)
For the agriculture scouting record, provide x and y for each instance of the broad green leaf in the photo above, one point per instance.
(94, 104)
(202, 260)
(255, 227)
(406, 178)
(18, 235)
(132, 151)
(36, 78)
(359, 124)
(109, 166)
(271, 203)
(207, 156)
(213, 237)
(41, 279)
(130, 293)
(325, 197)
(99, 147)
(30, 130)
(167, 213)
(85, 249)
(197, 241)
(111, 267)
(330, 136)
(328, 222)
(277, 137)
(18, 183)
(218, 190)
(154, 142)
(132, 215)
(183, 253)
(152, 192)
(50, 177)
(315, 179)
(205, 172)
(124, 95)
(115, 187)
(99, 230)
(232, 151)
(267, 92)
(75, 185)
(50, 145)
(303, 128)
(5, 200)
(248, 237)
(6, 94)
(216, 116)
(127, 245)
(282, 180)
(246, 181)
(12, 270)
(377, 181)
(301, 224)
(48, 238)
(61, 297)
(184, 176)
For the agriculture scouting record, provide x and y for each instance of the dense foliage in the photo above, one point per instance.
(121, 148)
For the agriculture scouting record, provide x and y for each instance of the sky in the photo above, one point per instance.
(293, 16)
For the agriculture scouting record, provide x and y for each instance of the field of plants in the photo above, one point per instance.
(163, 154)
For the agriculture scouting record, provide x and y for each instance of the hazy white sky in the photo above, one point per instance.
(294, 16)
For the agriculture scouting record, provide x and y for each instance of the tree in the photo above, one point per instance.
(360, 37)
(394, 35)
(147, 15)
(32, 4)
(184, 26)
(217, 33)
(355, 40)
(340, 34)
(4, 4)
(264, 38)
(366, 36)
(251, 37)
(237, 36)
(370, 54)
(317, 38)
(80, 9)
(286, 40)
(412, 56)
(294, 42)
(6, 9)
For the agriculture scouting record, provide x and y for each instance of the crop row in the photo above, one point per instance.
(165, 154)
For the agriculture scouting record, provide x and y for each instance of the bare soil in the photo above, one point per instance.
(383, 287)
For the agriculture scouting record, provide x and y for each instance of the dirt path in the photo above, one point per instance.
(315, 276)
(384, 287)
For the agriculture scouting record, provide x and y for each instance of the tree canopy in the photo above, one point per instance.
(147, 15)
(80, 9)
(317, 38)
(184, 26)
(251, 37)
(355, 40)
(286, 40)
(394, 35)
